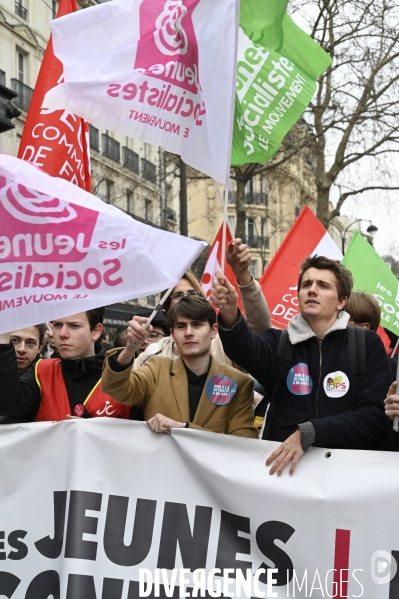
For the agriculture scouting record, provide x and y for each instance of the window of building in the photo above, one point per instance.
(232, 221)
(129, 202)
(263, 192)
(148, 210)
(21, 66)
(55, 4)
(250, 228)
(249, 192)
(109, 190)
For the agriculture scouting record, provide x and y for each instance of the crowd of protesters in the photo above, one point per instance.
(326, 382)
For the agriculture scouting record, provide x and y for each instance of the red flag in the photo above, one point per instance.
(307, 236)
(56, 140)
(214, 261)
(384, 338)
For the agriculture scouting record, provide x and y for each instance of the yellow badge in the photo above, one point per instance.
(258, 422)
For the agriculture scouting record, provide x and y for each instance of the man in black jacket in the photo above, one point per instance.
(58, 388)
(318, 400)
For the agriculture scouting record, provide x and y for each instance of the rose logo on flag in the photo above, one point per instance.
(299, 381)
(32, 206)
(220, 389)
(167, 30)
(36, 227)
(170, 36)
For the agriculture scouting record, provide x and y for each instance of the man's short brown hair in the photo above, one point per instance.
(363, 307)
(342, 274)
(193, 307)
(95, 317)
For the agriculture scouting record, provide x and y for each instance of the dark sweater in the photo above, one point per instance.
(353, 420)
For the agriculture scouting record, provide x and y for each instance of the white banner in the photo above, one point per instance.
(64, 251)
(88, 507)
(162, 71)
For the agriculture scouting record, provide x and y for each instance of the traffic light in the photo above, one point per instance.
(8, 110)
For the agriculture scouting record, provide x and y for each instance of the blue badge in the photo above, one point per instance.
(299, 381)
(220, 389)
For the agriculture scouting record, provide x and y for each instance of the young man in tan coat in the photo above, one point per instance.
(192, 391)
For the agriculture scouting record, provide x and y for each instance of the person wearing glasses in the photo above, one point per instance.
(257, 313)
(159, 332)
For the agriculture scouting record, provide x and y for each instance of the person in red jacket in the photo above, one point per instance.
(60, 387)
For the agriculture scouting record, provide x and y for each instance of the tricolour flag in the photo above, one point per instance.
(56, 140)
(64, 251)
(159, 71)
(372, 275)
(306, 237)
(278, 65)
(214, 263)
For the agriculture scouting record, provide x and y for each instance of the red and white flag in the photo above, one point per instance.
(160, 71)
(306, 237)
(214, 263)
(56, 140)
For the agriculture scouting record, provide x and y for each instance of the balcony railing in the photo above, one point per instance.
(94, 138)
(24, 93)
(148, 170)
(255, 198)
(21, 11)
(2, 78)
(130, 159)
(111, 148)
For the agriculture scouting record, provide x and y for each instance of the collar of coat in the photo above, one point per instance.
(299, 329)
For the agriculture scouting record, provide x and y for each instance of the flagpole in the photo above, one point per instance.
(225, 221)
(222, 204)
(394, 349)
(159, 307)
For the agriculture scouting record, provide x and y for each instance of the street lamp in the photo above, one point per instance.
(370, 229)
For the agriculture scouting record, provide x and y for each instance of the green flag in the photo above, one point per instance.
(277, 68)
(373, 276)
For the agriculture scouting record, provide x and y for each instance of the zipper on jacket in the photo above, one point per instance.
(320, 365)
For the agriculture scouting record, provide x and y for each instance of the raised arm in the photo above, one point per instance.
(253, 353)
(256, 310)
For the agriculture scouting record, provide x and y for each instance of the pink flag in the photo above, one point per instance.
(307, 236)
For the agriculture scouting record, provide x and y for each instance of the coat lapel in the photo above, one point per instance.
(206, 407)
(178, 379)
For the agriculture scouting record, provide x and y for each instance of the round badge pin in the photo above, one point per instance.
(299, 381)
(79, 410)
(220, 389)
